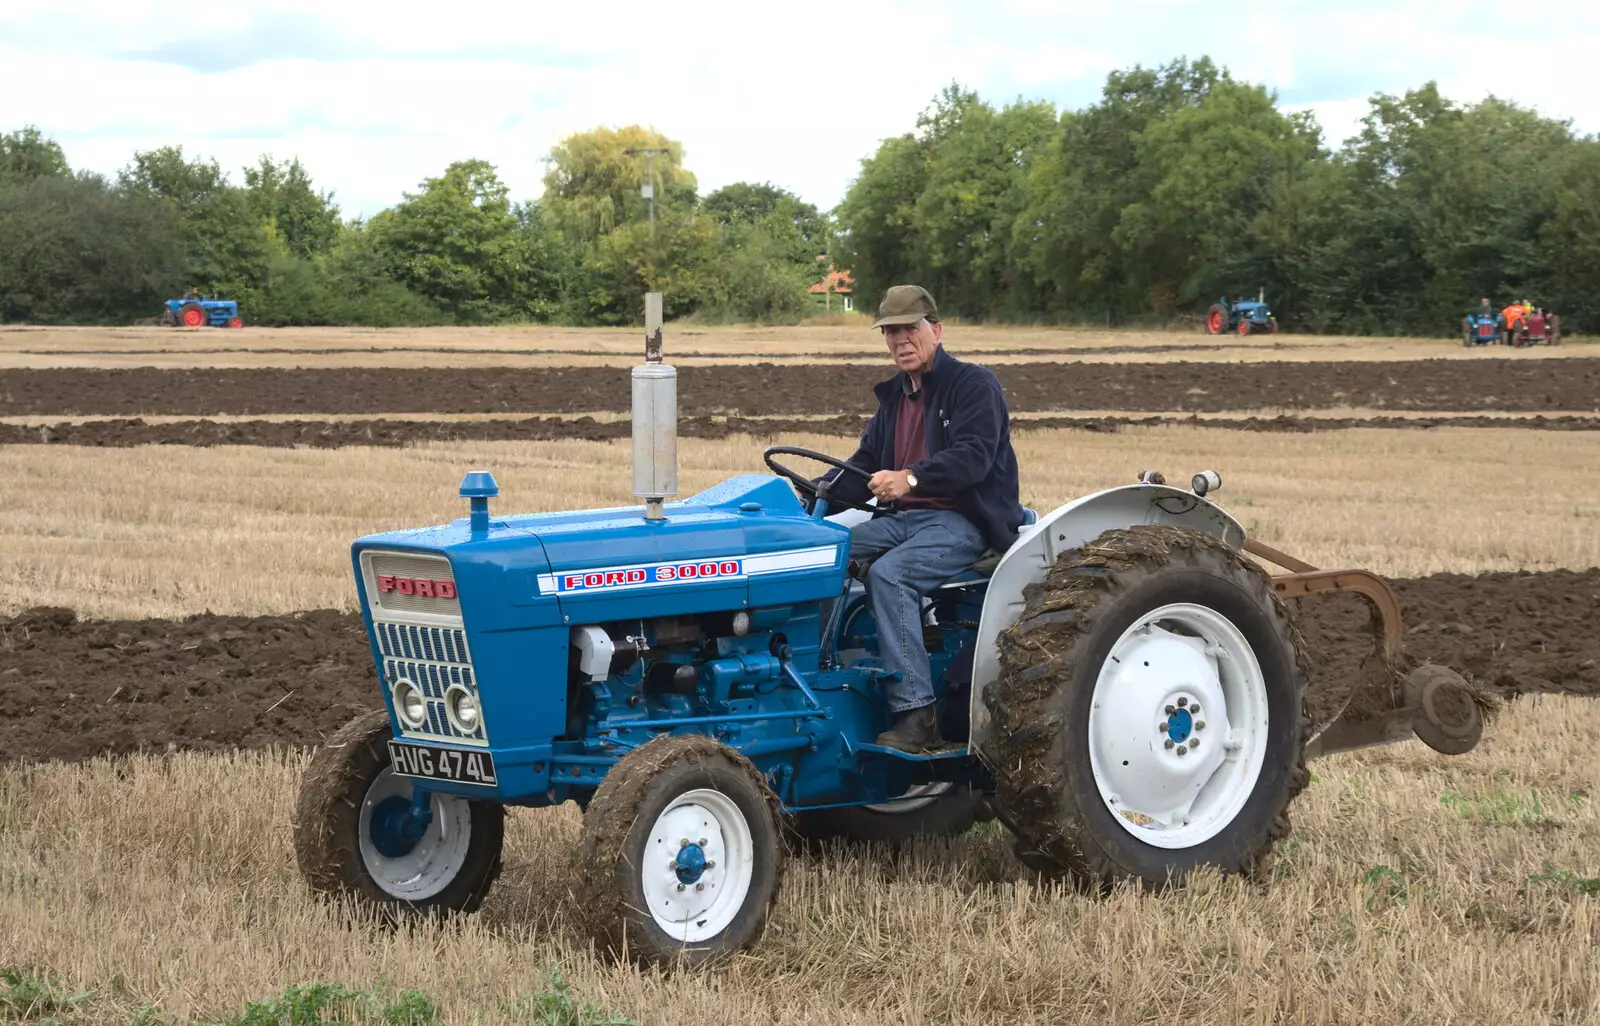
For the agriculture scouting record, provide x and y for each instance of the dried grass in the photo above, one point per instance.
(849, 340)
(1019, 417)
(163, 531)
(1415, 888)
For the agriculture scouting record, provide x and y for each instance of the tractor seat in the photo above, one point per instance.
(978, 572)
(984, 565)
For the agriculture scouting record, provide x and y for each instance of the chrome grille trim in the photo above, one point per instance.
(425, 646)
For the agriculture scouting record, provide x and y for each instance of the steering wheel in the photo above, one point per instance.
(812, 490)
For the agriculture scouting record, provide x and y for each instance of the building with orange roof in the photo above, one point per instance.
(834, 283)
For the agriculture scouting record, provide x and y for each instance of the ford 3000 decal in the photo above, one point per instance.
(653, 575)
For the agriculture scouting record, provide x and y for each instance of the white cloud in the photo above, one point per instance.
(373, 97)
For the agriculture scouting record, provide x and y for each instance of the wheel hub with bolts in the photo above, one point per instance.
(1187, 671)
(705, 853)
(690, 864)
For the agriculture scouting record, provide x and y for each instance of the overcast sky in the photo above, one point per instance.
(374, 96)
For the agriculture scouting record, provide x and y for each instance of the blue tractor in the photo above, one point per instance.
(1125, 690)
(197, 311)
(1244, 316)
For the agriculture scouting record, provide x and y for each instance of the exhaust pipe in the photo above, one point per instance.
(655, 419)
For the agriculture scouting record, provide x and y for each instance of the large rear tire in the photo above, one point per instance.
(348, 796)
(681, 856)
(1105, 767)
(1217, 319)
(193, 316)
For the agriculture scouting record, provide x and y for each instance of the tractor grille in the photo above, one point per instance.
(425, 644)
(432, 658)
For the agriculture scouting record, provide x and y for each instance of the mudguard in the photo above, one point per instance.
(1067, 527)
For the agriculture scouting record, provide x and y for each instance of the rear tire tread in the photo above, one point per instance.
(1027, 701)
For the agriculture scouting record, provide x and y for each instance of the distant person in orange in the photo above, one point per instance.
(1512, 317)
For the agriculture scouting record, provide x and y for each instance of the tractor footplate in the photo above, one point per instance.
(952, 750)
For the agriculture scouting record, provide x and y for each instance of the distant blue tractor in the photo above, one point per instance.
(1244, 316)
(702, 678)
(196, 311)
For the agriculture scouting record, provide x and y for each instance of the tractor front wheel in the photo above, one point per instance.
(1245, 327)
(236, 322)
(1217, 319)
(681, 855)
(192, 316)
(352, 836)
(1147, 720)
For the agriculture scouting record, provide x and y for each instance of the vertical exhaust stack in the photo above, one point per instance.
(655, 419)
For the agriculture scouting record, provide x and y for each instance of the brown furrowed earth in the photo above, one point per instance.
(796, 390)
(77, 689)
(338, 434)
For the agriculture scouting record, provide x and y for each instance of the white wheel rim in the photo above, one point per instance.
(693, 907)
(917, 796)
(438, 856)
(1167, 792)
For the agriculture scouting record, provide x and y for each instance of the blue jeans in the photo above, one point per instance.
(921, 549)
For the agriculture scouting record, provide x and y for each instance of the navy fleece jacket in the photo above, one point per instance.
(969, 459)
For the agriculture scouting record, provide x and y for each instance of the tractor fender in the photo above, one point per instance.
(1067, 527)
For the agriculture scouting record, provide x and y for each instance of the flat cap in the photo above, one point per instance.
(906, 304)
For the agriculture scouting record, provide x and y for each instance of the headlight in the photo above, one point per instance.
(462, 708)
(409, 704)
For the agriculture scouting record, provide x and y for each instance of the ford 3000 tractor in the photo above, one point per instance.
(1124, 688)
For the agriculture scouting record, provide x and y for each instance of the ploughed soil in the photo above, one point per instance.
(335, 434)
(72, 689)
(790, 390)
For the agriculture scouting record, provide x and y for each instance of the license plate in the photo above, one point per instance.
(456, 765)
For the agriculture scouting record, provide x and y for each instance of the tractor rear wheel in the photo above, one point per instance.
(351, 837)
(681, 856)
(936, 809)
(1217, 319)
(1148, 715)
(192, 315)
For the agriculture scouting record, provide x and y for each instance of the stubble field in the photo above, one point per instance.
(144, 839)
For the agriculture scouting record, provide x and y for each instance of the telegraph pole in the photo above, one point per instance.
(649, 189)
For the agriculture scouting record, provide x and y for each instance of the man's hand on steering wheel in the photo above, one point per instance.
(890, 485)
(812, 489)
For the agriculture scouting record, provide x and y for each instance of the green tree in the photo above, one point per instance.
(593, 184)
(281, 194)
(749, 203)
(962, 223)
(459, 244)
(875, 217)
(1432, 206)
(26, 155)
(229, 247)
(77, 250)
(1149, 203)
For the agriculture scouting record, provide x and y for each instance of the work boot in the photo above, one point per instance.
(915, 730)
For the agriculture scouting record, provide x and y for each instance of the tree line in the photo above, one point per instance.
(1180, 185)
(78, 247)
